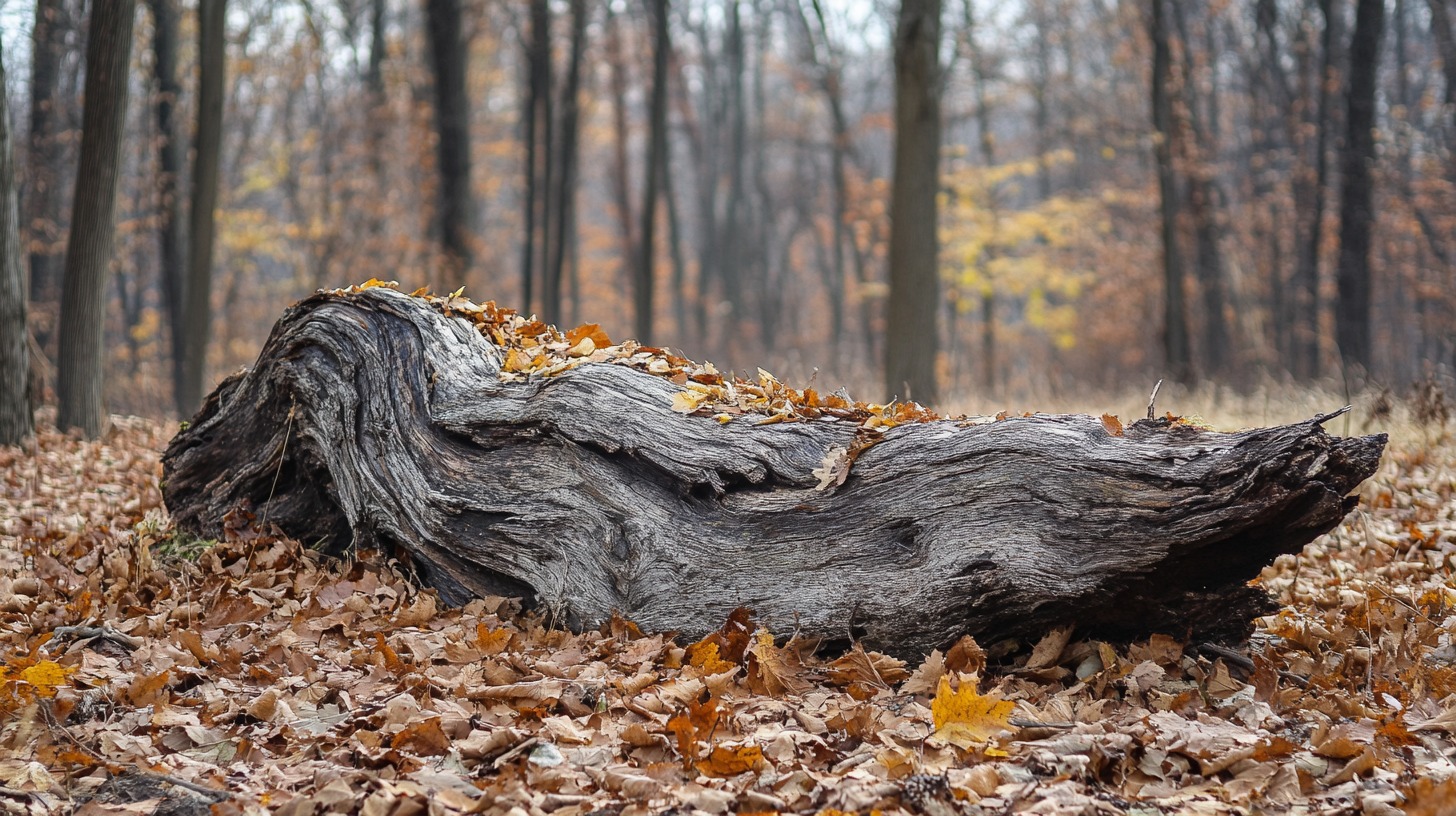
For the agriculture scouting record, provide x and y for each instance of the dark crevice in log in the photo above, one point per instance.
(372, 417)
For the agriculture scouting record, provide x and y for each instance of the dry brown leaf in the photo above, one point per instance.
(772, 670)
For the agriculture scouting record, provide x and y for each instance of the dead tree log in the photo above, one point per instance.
(375, 419)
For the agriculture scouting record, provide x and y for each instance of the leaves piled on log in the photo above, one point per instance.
(378, 419)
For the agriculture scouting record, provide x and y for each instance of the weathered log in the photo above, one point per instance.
(374, 419)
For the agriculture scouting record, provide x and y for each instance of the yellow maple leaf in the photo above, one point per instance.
(704, 654)
(686, 402)
(965, 718)
(44, 677)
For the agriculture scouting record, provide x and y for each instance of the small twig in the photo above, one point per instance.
(1153, 398)
(515, 752)
(117, 769)
(1021, 723)
(125, 641)
(1323, 418)
(1240, 660)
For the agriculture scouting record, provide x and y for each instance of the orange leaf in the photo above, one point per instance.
(774, 671)
(491, 641)
(149, 690)
(726, 760)
(1112, 424)
(588, 331)
(425, 738)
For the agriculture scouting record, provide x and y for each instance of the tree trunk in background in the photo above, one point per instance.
(563, 198)
(16, 421)
(207, 146)
(912, 338)
(1352, 308)
(1200, 150)
(621, 171)
(43, 194)
(378, 109)
(986, 143)
(93, 224)
(1305, 334)
(1441, 31)
(642, 280)
(170, 238)
(1175, 314)
(538, 152)
(830, 69)
(730, 266)
(452, 125)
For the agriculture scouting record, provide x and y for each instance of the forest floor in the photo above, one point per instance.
(144, 672)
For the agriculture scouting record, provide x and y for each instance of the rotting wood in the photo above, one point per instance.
(373, 419)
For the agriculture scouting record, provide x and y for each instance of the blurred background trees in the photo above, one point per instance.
(1123, 190)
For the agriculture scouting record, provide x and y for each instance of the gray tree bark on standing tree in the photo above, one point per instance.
(1357, 216)
(911, 340)
(93, 217)
(1175, 315)
(452, 123)
(43, 200)
(197, 317)
(169, 173)
(16, 422)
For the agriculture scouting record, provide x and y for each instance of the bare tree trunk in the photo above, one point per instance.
(93, 218)
(43, 190)
(643, 280)
(1200, 151)
(913, 336)
(1352, 308)
(378, 107)
(197, 323)
(730, 268)
(621, 171)
(831, 75)
(568, 140)
(1175, 310)
(16, 421)
(1305, 333)
(1441, 31)
(170, 238)
(539, 162)
(981, 76)
(448, 51)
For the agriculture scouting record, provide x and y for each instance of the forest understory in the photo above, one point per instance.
(147, 673)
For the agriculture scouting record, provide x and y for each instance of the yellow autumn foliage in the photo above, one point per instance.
(964, 718)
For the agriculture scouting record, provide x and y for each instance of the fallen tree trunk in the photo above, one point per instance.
(375, 419)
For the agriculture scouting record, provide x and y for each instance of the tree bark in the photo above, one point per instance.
(93, 223)
(1352, 307)
(16, 421)
(538, 152)
(207, 157)
(643, 279)
(912, 339)
(1175, 309)
(374, 420)
(568, 149)
(1305, 335)
(171, 246)
(452, 125)
(43, 199)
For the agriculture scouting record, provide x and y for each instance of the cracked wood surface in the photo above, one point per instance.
(372, 419)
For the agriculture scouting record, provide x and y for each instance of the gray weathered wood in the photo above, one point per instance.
(371, 419)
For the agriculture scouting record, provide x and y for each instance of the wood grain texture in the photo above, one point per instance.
(371, 419)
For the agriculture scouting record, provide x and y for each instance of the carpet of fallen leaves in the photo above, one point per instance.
(144, 672)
